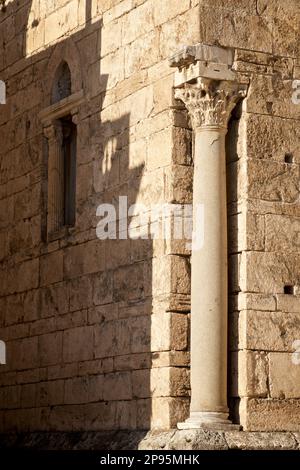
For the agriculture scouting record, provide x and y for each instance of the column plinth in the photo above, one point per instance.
(209, 103)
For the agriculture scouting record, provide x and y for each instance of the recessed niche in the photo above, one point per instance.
(289, 290)
(288, 158)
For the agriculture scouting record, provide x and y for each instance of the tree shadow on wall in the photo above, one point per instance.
(99, 379)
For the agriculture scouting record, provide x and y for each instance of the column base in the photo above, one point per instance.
(209, 420)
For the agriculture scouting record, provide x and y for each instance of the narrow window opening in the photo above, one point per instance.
(69, 158)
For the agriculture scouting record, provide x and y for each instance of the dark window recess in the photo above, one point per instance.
(289, 290)
(69, 151)
(288, 158)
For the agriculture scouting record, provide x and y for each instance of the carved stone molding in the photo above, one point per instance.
(210, 102)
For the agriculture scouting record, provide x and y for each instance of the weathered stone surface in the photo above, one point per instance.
(98, 331)
(258, 414)
(263, 272)
(260, 440)
(284, 375)
(153, 440)
(282, 233)
(268, 331)
(249, 374)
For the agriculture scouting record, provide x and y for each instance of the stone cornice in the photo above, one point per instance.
(205, 82)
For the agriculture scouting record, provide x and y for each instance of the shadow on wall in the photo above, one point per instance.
(78, 346)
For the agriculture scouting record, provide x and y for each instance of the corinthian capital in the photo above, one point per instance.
(209, 101)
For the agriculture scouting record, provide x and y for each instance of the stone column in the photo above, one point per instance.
(209, 102)
(55, 217)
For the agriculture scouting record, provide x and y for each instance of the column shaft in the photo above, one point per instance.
(209, 276)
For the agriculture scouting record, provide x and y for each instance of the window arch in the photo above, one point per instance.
(62, 83)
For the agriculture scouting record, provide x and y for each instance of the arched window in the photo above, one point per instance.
(62, 85)
(61, 132)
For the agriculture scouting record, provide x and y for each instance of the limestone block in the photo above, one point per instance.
(93, 367)
(171, 273)
(160, 149)
(117, 386)
(141, 53)
(22, 277)
(103, 288)
(178, 184)
(276, 8)
(250, 301)
(83, 259)
(285, 32)
(183, 29)
(273, 181)
(50, 348)
(61, 22)
(241, 29)
(101, 313)
(51, 268)
(246, 6)
(237, 173)
(260, 441)
(72, 320)
(282, 233)
(288, 303)
(179, 331)
(76, 390)
(249, 374)
(169, 381)
(83, 178)
(23, 353)
(272, 137)
(14, 312)
(126, 414)
(80, 291)
(109, 73)
(114, 338)
(268, 272)
(269, 331)
(167, 412)
(271, 95)
(50, 393)
(129, 283)
(151, 189)
(164, 11)
(139, 105)
(28, 395)
(54, 299)
(259, 414)
(78, 344)
(141, 383)
(140, 340)
(160, 331)
(11, 397)
(246, 232)
(137, 22)
(114, 9)
(284, 376)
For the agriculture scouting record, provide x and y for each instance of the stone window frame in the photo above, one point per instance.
(50, 117)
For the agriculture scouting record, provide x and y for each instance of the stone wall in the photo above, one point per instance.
(263, 186)
(96, 331)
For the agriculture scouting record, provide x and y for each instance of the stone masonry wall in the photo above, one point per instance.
(96, 331)
(264, 210)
